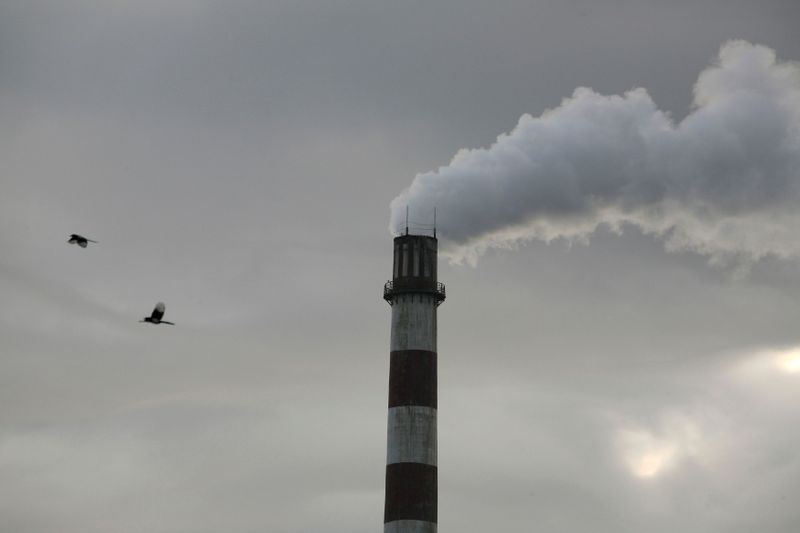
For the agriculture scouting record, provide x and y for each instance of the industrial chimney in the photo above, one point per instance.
(411, 474)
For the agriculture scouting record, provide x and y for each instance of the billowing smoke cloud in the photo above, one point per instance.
(724, 182)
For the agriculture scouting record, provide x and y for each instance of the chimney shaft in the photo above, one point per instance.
(411, 473)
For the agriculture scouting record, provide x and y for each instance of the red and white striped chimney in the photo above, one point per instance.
(411, 472)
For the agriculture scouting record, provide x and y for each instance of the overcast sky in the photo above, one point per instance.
(236, 160)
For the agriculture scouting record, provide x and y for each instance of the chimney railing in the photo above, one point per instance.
(405, 286)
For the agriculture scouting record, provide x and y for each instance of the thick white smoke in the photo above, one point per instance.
(724, 182)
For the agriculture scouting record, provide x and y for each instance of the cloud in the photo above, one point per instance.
(722, 183)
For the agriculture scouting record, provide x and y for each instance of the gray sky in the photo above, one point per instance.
(237, 159)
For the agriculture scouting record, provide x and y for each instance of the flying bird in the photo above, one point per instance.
(155, 316)
(80, 240)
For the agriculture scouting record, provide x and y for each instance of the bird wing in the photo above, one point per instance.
(158, 312)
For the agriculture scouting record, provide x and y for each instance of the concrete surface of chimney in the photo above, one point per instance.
(411, 469)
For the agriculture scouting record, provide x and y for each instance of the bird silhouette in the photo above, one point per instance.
(155, 316)
(80, 240)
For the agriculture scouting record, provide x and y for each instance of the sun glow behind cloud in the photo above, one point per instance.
(651, 450)
(646, 455)
(769, 364)
(789, 361)
(649, 454)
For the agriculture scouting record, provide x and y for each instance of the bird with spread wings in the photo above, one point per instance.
(80, 240)
(156, 315)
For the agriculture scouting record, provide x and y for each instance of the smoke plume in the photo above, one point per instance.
(724, 182)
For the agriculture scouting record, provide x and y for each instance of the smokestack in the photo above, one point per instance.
(411, 472)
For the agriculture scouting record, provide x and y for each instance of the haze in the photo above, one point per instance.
(236, 160)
